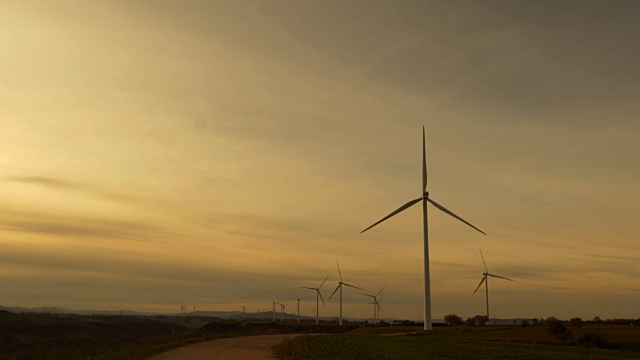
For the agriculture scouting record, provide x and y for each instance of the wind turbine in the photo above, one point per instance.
(376, 304)
(281, 312)
(424, 199)
(298, 298)
(317, 294)
(340, 283)
(244, 310)
(273, 308)
(485, 279)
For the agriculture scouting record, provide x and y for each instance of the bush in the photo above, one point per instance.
(558, 330)
(576, 323)
(453, 320)
(593, 341)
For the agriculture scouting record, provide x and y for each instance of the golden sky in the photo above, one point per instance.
(155, 154)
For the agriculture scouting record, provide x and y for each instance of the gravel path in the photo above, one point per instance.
(246, 347)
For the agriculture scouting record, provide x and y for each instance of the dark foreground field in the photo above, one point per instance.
(614, 342)
(98, 337)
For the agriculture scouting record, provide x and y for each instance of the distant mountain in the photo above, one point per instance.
(228, 315)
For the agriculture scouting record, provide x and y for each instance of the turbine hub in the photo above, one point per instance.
(425, 195)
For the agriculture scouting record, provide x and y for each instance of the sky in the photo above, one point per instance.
(159, 154)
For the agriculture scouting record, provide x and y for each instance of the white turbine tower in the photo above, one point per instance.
(485, 279)
(317, 290)
(340, 283)
(298, 298)
(424, 199)
(376, 305)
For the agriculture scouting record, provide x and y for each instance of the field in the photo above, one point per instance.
(622, 342)
(55, 336)
(99, 337)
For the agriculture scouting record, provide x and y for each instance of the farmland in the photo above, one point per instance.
(51, 336)
(622, 342)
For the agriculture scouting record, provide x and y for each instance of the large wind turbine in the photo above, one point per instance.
(340, 283)
(317, 290)
(298, 298)
(376, 305)
(424, 199)
(485, 279)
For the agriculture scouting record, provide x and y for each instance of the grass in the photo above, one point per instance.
(488, 344)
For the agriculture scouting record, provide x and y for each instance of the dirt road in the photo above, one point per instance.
(246, 347)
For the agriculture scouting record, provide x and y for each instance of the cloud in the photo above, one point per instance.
(79, 227)
(69, 186)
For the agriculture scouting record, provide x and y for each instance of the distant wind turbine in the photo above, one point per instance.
(340, 283)
(298, 298)
(376, 304)
(273, 308)
(318, 294)
(244, 311)
(281, 312)
(485, 279)
(424, 199)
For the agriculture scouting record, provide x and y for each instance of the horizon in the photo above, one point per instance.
(217, 154)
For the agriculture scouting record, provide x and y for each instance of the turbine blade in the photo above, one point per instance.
(271, 298)
(485, 264)
(442, 208)
(500, 277)
(368, 295)
(325, 279)
(481, 281)
(334, 291)
(401, 208)
(310, 288)
(380, 306)
(355, 287)
(302, 298)
(296, 295)
(380, 290)
(424, 162)
(319, 293)
(339, 273)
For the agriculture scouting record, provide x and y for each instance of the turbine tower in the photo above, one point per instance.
(318, 294)
(244, 311)
(425, 199)
(298, 298)
(376, 305)
(485, 279)
(340, 283)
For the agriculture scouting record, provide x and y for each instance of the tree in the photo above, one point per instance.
(453, 320)
(576, 322)
(481, 320)
(556, 328)
(478, 320)
(524, 322)
(597, 320)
